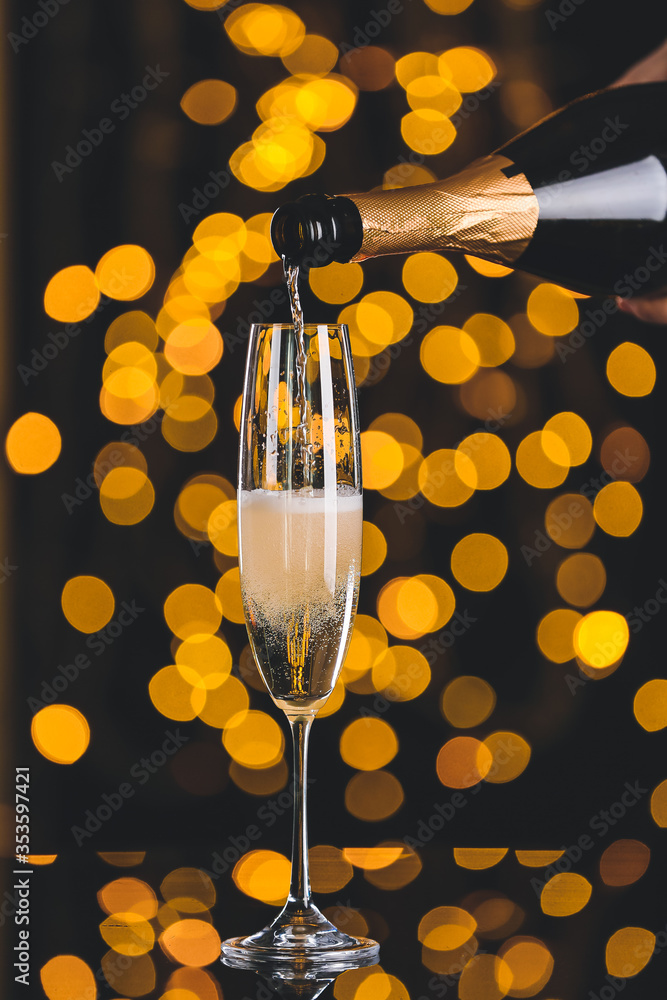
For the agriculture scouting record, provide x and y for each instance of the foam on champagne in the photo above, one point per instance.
(300, 564)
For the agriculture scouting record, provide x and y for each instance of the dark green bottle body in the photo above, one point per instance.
(579, 199)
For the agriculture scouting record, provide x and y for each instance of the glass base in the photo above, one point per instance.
(302, 939)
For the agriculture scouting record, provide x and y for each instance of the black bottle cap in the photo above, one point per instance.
(316, 230)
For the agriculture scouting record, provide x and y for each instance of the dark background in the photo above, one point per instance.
(128, 191)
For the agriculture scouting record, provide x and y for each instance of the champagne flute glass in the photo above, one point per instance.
(300, 526)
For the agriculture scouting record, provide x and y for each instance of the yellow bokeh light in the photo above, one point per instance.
(631, 370)
(263, 875)
(253, 739)
(127, 495)
(485, 977)
(128, 933)
(368, 744)
(479, 858)
(530, 964)
(128, 895)
(208, 656)
(194, 347)
(466, 68)
(373, 795)
(67, 975)
(415, 64)
(493, 338)
(228, 592)
(33, 444)
(510, 756)
(425, 602)
(564, 894)
(336, 283)
(72, 294)
(191, 942)
(374, 549)
(440, 480)
(555, 634)
(650, 705)
(401, 673)
(581, 579)
(628, 951)
(446, 928)
(191, 610)
(462, 762)
(467, 701)
(488, 268)
(188, 890)
(479, 561)
(427, 131)
(382, 459)
(125, 273)
(196, 502)
(87, 603)
(659, 804)
(315, 56)
(552, 310)
(224, 702)
(330, 871)
(574, 431)
(538, 859)
(133, 977)
(209, 102)
(60, 733)
(265, 29)
(177, 692)
(618, 509)
(431, 91)
(428, 277)
(483, 461)
(399, 426)
(601, 639)
(134, 325)
(536, 467)
(449, 355)
(569, 520)
(192, 983)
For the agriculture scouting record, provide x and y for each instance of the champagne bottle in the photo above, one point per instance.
(579, 199)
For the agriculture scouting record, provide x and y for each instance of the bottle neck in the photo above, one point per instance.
(479, 211)
(317, 229)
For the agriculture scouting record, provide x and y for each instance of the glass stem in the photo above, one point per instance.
(300, 880)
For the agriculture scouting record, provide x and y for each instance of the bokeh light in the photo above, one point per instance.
(32, 444)
(631, 370)
(87, 603)
(61, 733)
(72, 294)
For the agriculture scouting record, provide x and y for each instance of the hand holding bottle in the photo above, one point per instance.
(650, 308)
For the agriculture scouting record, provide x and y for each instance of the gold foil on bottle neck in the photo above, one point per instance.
(479, 211)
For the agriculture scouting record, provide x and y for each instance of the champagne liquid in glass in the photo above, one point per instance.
(300, 582)
(302, 438)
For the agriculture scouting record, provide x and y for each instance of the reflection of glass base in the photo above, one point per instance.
(303, 939)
